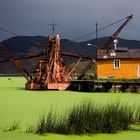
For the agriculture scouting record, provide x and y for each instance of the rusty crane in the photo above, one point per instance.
(51, 71)
(106, 45)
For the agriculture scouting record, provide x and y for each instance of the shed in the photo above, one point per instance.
(119, 63)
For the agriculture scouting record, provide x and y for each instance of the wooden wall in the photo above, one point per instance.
(128, 68)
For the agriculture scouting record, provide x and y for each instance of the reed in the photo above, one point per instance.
(88, 118)
(13, 126)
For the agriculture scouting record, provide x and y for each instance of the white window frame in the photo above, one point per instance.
(115, 64)
(138, 71)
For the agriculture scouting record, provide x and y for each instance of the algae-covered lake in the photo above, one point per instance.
(25, 107)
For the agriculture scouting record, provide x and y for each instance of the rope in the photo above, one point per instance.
(15, 34)
(100, 29)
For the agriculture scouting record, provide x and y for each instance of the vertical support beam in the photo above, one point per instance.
(97, 35)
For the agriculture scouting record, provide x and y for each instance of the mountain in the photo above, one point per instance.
(25, 45)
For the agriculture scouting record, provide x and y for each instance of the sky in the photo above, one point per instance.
(75, 18)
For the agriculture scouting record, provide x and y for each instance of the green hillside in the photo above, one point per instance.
(29, 45)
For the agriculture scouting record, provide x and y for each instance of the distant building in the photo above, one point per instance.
(119, 63)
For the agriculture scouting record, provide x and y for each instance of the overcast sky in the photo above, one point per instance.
(75, 17)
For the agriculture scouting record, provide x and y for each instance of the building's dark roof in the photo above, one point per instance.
(119, 53)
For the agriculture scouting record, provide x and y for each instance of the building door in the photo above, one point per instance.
(138, 71)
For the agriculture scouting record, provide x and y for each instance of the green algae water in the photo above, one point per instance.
(25, 107)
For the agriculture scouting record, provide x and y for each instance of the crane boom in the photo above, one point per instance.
(17, 63)
(87, 68)
(110, 40)
(74, 55)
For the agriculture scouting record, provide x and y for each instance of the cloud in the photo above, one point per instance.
(75, 17)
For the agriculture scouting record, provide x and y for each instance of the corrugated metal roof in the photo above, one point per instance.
(119, 53)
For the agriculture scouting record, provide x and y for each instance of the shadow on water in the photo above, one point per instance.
(23, 89)
(135, 129)
(20, 88)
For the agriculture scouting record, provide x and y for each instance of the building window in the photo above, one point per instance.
(116, 64)
(138, 71)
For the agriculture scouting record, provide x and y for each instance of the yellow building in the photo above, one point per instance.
(120, 63)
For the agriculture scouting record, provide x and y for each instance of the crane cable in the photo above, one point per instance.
(15, 34)
(100, 29)
(84, 36)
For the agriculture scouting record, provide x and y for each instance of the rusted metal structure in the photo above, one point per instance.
(51, 71)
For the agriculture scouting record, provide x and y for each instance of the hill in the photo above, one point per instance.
(25, 45)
